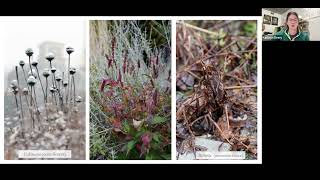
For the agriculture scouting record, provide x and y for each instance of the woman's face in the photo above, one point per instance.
(292, 22)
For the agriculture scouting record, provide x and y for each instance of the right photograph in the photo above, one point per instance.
(216, 84)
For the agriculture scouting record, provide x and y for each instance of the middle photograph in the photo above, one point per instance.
(130, 90)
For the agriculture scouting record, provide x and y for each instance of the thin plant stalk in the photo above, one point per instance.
(74, 91)
(31, 100)
(32, 118)
(40, 82)
(54, 98)
(60, 97)
(36, 104)
(15, 96)
(68, 70)
(20, 97)
(46, 96)
(30, 66)
(69, 104)
(24, 74)
(53, 81)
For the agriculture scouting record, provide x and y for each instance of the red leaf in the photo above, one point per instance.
(109, 60)
(109, 63)
(103, 84)
(124, 66)
(113, 83)
(138, 147)
(119, 76)
(155, 97)
(116, 123)
(146, 139)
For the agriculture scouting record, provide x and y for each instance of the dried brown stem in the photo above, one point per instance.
(240, 87)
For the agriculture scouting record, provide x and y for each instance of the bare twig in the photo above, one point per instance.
(226, 111)
(198, 28)
(186, 121)
(217, 126)
(199, 118)
(194, 75)
(240, 87)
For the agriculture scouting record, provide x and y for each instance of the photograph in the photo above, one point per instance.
(291, 24)
(266, 19)
(275, 21)
(44, 89)
(216, 90)
(130, 89)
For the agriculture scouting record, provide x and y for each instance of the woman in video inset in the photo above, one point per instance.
(291, 32)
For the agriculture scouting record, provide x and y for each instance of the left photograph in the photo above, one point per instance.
(44, 89)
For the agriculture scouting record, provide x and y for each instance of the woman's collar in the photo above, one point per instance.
(287, 34)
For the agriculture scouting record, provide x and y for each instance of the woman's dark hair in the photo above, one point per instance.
(289, 14)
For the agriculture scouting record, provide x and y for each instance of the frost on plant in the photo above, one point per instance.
(37, 115)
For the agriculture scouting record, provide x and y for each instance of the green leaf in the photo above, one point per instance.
(130, 146)
(152, 156)
(126, 126)
(157, 136)
(222, 34)
(250, 28)
(158, 120)
(138, 134)
(214, 35)
(221, 42)
(166, 156)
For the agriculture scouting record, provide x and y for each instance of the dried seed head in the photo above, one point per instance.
(34, 63)
(31, 81)
(22, 63)
(52, 89)
(53, 69)
(69, 50)
(78, 99)
(14, 84)
(50, 57)
(15, 90)
(65, 84)
(25, 91)
(46, 73)
(72, 70)
(29, 52)
(58, 78)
